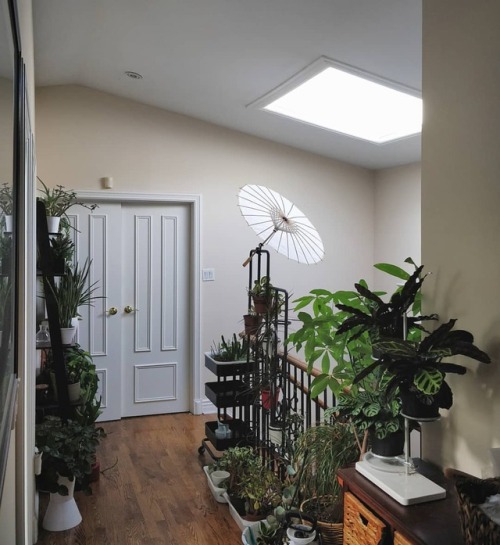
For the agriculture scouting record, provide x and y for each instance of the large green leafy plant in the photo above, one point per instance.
(68, 450)
(340, 336)
(418, 367)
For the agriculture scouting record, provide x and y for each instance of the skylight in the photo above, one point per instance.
(345, 100)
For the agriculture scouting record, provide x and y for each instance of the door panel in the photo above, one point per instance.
(140, 259)
(95, 236)
(156, 379)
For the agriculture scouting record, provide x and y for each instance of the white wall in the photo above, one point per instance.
(83, 135)
(461, 214)
(397, 220)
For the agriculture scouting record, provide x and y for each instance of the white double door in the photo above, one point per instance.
(138, 334)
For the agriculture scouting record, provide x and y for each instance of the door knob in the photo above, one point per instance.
(112, 311)
(128, 309)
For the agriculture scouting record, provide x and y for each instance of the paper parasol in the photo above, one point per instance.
(280, 224)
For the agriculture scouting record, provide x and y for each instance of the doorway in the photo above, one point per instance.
(144, 334)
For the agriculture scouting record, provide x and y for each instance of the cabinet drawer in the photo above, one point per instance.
(401, 540)
(361, 526)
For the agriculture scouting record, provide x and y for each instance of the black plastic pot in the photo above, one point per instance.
(414, 408)
(392, 445)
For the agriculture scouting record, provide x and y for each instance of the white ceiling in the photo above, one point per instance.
(209, 59)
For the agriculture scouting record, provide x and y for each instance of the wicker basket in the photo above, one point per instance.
(400, 540)
(477, 527)
(331, 532)
(361, 526)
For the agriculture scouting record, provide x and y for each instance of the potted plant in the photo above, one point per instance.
(418, 369)
(265, 298)
(399, 317)
(252, 322)
(68, 450)
(238, 461)
(80, 371)
(229, 351)
(62, 248)
(341, 335)
(73, 291)
(320, 451)
(58, 201)
(261, 489)
(7, 205)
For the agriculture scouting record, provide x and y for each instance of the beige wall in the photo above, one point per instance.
(397, 220)
(460, 213)
(83, 135)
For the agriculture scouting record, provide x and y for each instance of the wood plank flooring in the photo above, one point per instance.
(152, 489)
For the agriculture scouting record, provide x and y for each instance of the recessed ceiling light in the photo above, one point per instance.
(343, 99)
(133, 75)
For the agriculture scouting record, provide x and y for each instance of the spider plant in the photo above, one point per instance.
(74, 290)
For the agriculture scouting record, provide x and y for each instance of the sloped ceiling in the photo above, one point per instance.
(209, 59)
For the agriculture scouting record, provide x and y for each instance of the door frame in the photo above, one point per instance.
(194, 203)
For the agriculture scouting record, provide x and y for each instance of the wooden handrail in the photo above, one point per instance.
(302, 365)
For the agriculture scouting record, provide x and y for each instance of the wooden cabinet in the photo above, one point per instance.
(399, 539)
(431, 523)
(361, 526)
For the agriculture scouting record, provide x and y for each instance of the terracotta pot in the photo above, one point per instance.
(252, 323)
(95, 472)
(261, 303)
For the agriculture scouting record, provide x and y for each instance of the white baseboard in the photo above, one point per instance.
(208, 407)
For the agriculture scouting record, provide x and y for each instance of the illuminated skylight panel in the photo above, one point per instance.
(343, 102)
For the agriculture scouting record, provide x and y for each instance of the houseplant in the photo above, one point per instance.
(74, 290)
(261, 489)
(59, 200)
(343, 333)
(62, 248)
(80, 369)
(68, 450)
(265, 298)
(418, 371)
(233, 350)
(6, 199)
(340, 357)
(320, 451)
(239, 462)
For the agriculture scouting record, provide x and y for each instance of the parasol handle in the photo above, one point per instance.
(252, 253)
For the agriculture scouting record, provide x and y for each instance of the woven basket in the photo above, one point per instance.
(361, 526)
(331, 532)
(477, 527)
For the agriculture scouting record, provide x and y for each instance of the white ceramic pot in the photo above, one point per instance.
(276, 436)
(219, 476)
(62, 512)
(67, 335)
(9, 224)
(53, 224)
(295, 535)
(74, 391)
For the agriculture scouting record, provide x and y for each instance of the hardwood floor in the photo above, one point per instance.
(152, 489)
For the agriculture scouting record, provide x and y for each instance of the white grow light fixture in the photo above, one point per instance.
(341, 98)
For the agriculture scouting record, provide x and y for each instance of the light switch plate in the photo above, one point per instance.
(208, 275)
